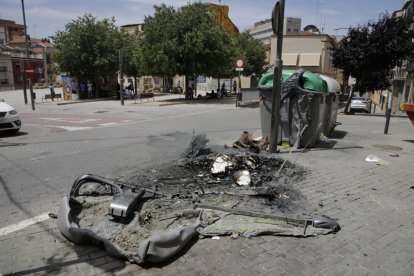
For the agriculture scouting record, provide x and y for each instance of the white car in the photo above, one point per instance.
(9, 119)
(360, 104)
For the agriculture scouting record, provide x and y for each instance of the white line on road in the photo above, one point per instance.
(23, 224)
(69, 128)
(75, 121)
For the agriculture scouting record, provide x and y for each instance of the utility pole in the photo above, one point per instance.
(121, 76)
(23, 67)
(27, 52)
(277, 26)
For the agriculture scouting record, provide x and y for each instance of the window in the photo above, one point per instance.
(288, 30)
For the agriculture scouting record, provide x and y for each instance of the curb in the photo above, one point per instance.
(375, 115)
(250, 104)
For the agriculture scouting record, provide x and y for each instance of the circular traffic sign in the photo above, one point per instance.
(239, 63)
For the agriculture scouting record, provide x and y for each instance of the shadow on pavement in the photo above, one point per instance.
(226, 100)
(5, 134)
(338, 134)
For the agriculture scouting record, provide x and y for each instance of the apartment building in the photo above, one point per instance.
(263, 31)
(8, 29)
(14, 57)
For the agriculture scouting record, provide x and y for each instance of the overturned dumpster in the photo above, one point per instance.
(308, 107)
(151, 215)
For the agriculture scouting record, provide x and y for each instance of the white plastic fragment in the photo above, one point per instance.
(221, 163)
(376, 159)
(242, 178)
(372, 158)
(215, 238)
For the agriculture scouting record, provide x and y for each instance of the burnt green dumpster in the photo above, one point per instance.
(303, 106)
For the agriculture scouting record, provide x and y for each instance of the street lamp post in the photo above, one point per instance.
(27, 52)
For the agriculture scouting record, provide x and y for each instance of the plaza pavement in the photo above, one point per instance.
(373, 204)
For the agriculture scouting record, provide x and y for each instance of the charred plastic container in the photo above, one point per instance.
(332, 102)
(303, 107)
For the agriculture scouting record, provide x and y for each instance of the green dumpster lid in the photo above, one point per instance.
(310, 81)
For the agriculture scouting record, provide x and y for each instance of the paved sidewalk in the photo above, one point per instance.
(373, 204)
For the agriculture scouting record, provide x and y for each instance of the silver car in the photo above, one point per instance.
(9, 119)
(360, 104)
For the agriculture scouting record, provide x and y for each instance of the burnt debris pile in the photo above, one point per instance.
(231, 191)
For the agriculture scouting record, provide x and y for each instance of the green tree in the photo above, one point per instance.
(132, 56)
(253, 54)
(88, 49)
(186, 41)
(160, 48)
(371, 51)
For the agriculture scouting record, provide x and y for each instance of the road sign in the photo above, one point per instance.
(239, 63)
(29, 70)
(239, 69)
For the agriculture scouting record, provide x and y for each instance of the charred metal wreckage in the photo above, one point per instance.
(228, 193)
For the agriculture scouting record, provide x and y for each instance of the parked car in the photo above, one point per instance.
(9, 118)
(360, 104)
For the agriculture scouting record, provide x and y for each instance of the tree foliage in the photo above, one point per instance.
(160, 43)
(252, 52)
(188, 41)
(371, 51)
(132, 55)
(88, 49)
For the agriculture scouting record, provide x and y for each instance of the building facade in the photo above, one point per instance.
(307, 51)
(263, 31)
(9, 29)
(14, 57)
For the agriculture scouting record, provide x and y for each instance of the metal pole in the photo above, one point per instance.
(24, 80)
(238, 89)
(121, 76)
(27, 52)
(388, 114)
(277, 25)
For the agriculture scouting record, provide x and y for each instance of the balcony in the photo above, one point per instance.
(23, 55)
(399, 74)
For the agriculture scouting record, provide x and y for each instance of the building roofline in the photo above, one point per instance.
(10, 23)
(132, 25)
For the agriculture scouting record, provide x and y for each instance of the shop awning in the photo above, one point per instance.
(310, 59)
(290, 59)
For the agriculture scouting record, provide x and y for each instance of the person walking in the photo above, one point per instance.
(89, 85)
(52, 91)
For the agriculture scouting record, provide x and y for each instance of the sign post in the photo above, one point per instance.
(28, 66)
(239, 68)
(30, 71)
(277, 26)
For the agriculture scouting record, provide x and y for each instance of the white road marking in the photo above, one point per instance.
(69, 128)
(23, 224)
(73, 120)
(108, 124)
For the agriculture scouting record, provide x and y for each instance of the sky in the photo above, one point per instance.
(45, 17)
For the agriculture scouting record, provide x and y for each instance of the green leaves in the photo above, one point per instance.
(88, 48)
(369, 52)
(188, 41)
(252, 52)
